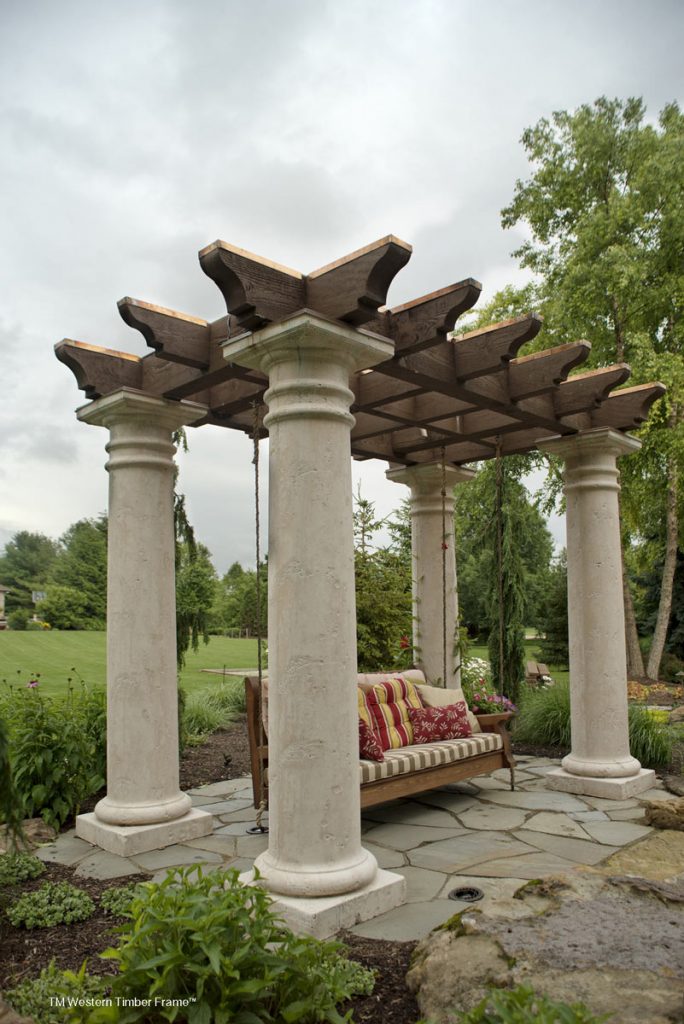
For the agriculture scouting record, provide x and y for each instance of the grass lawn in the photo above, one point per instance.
(531, 652)
(55, 655)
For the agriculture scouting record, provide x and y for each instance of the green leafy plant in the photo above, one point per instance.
(54, 903)
(215, 943)
(522, 1005)
(117, 899)
(18, 867)
(57, 747)
(205, 711)
(544, 719)
(40, 998)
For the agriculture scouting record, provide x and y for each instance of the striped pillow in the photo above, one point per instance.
(389, 705)
(364, 710)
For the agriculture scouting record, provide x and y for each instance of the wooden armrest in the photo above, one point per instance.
(493, 720)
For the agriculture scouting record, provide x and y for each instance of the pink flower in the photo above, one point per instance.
(404, 643)
(32, 684)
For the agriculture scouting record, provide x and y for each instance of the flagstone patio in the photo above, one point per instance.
(471, 834)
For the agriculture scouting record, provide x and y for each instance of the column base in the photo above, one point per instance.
(127, 840)
(324, 916)
(609, 789)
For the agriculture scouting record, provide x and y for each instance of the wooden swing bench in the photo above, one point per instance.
(406, 770)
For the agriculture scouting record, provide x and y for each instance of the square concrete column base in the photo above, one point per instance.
(609, 789)
(327, 915)
(127, 840)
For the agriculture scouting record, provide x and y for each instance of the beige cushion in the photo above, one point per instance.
(367, 680)
(438, 697)
(415, 758)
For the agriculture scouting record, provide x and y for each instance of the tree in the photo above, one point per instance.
(195, 593)
(554, 623)
(66, 608)
(605, 209)
(80, 570)
(383, 593)
(25, 566)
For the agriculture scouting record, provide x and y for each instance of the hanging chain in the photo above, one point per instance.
(444, 569)
(258, 828)
(499, 552)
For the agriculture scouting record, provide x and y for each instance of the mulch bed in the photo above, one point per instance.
(224, 755)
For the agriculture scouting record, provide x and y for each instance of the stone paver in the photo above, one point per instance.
(103, 865)
(177, 855)
(412, 814)
(617, 833)
(569, 849)
(528, 866)
(406, 837)
(422, 885)
(66, 850)
(557, 825)
(543, 800)
(410, 921)
(452, 855)
(475, 833)
(488, 816)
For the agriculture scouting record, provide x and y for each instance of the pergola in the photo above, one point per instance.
(340, 374)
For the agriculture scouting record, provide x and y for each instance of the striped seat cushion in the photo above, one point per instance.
(389, 704)
(428, 755)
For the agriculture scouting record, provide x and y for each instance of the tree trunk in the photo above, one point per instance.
(635, 661)
(671, 536)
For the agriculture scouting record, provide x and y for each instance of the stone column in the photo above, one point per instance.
(144, 808)
(600, 763)
(315, 861)
(432, 526)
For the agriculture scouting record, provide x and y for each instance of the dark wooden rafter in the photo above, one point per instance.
(463, 396)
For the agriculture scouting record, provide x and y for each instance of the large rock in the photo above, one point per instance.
(676, 715)
(8, 1016)
(35, 833)
(668, 814)
(588, 940)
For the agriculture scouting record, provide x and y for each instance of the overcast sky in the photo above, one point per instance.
(132, 134)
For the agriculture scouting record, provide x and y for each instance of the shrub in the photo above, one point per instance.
(18, 619)
(57, 748)
(117, 899)
(544, 720)
(211, 940)
(33, 998)
(521, 1005)
(205, 711)
(18, 867)
(54, 903)
(476, 676)
(671, 668)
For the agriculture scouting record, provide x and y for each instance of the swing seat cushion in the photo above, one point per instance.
(416, 758)
(389, 704)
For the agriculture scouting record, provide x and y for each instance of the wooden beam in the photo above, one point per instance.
(586, 391)
(489, 349)
(541, 372)
(628, 408)
(177, 337)
(353, 287)
(256, 290)
(100, 371)
(425, 322)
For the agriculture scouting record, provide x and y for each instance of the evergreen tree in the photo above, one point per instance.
(25, 566)
(554, 622)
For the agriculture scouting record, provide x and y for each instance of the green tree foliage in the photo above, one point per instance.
(383, 592)
(604, 207)
(195, 591)
(235, 603)
(25, 566)
(79, 576)
(553, 622)
(66, 608)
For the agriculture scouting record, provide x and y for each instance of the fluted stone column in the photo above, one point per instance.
(432, 526)
(144, 808)
(315, 861)
(600, 763)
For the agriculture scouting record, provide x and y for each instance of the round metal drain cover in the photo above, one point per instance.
(257, 830)
(469, 894)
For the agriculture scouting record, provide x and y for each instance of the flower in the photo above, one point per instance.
(32, 684)
(404, 643)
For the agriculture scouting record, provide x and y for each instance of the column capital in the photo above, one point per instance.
(316, 336)
(128, 404)
(601, 440)
(428, 476)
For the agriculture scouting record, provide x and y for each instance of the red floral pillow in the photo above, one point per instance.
(369, 744)
(447, 723)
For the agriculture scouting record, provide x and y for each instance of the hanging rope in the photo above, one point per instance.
(258, 829)
(445, 547)
(499, 552)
